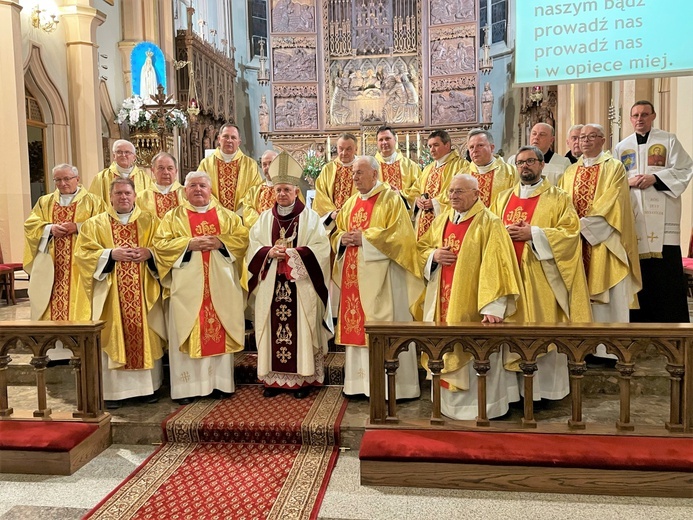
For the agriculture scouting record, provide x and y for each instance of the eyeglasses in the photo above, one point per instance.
(459, 191)
(528, 162)
(120, 153)
(64, 179)
(590, 137)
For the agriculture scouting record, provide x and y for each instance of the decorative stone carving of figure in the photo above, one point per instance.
(263, 114)
(487, 103)
(148, 81)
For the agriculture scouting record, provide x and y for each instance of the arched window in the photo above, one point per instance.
(257, 11)
(36, 135)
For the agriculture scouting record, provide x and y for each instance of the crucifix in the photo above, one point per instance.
(162, 106)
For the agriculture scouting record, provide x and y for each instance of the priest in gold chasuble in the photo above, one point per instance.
(288, 270)
(261, 197)
(50, 234)
(599, 190)
(232, 172)
(432, 187)
(472, 274)
(545, 231)
(492, 173)
(118, 270)
(335, 185)
(123, 166)
(377, 270)
(166, 193)
(199, 250)
(396, 170)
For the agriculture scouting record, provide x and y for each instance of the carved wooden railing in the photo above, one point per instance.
(83, 338)
(626, 341)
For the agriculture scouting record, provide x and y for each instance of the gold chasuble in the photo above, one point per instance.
(601, 190)
(258, 199)
(498, 177)
(157, 203)
(101, 185)
(401, 175)
(333, 187)
(207, 300)
(555, 288)
(434, 182)
(231, 181)
(128, 297)
(364, 280)
(54, 284)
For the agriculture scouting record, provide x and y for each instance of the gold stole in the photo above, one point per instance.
(212, 332)
(485, 181)
(584, 188)
(266, 198)
(62, 247)
(453, 235)
(129, 282)
(165, 202)
(519, 210)
(343, 185)
(432, 188)
(351, 316)
(227, 181)
(392, 175)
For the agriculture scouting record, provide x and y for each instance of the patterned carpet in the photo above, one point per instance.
(242, 457)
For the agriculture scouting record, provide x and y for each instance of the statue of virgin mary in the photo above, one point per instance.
(148, 81)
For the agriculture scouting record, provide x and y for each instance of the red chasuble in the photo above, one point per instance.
(453, 235)
(343, 185)
(485, 181)
(433, 189)
(227, 182)
(62, 247)
(351, 316)
(392, 175)
(266, 198)
(584, 188)
(212, 332)
(519, 210)
(165, 202)
(130, 295)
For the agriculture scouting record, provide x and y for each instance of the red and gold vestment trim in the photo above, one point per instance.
(343, 185)
(266, 199)
(485, 181)
(432, 189)
(453, 235)
(227, 181)
(584, 189)
(165, 202)
(519, 210)
(62, 249)
(392, 175)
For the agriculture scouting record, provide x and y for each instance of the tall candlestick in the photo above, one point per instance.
(328, 149)
(418, 145)
(406, 146)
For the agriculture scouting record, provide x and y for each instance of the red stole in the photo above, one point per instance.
(212, 332)
(432, 188)
(392, 175)
(519, 210)
(453, 235)
(266, 198)
(227, 182)
(584, 188)
(165, 202)
(62, 249)
(130, 295)
(485, 181)
(351, 315)
(343, 185)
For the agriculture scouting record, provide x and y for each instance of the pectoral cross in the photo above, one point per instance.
(283, 241)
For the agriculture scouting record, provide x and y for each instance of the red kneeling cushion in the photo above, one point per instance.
(43, 435)
(529, 449)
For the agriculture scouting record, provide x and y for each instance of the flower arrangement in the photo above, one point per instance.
(425, 158)
(134, 113)
(313, 166)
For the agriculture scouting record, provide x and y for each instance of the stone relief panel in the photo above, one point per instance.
(386, 87)
(294, 59)
(293, 16)
(453, 50)
(453, 101)
(295, 108)
(452, 11)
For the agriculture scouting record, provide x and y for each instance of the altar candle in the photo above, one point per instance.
(406, 146)
(328, 149)
(418, 145)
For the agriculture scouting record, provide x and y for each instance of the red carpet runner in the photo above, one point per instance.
(245, 457)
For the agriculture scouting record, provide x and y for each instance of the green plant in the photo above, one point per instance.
(313, 166)
(134, 113)
(425, 158)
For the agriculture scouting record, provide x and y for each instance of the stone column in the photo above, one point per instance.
(15, 192)
(81, 22)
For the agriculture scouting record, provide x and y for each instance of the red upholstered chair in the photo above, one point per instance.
(7, 278)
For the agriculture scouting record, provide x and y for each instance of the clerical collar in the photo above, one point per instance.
(285, 210)
(547, 156)
(485, 169)
(268, 182)
(458, 216)
(66, 200)
(164, 189)
(642, 139)
(591, 161)
(440, 162)
(228, 157)
(390, 159)
(527, 189)
(125, 172)
(200, 209)
(366, 196)
(345, 164)
(124, 217)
